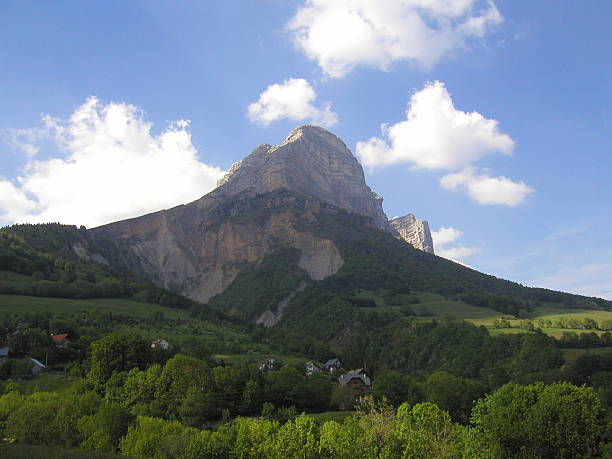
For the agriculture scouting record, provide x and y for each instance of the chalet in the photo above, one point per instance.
(36, 365)
(60, 339)
(268, 364)
(332, 365)
(312, 368)
(161, 344)
(4, 353)
(356, 381)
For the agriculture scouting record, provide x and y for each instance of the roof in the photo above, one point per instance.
(37, 362)
(60, 338)
(331, 362)
(159, 341)
(345, 379)
(4, 351)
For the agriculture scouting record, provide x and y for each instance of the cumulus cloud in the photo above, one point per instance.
(485, 189)
(445, 236)
(111, 167)
(438, 136)
(343, 34)
(435, 135)
(291, 99)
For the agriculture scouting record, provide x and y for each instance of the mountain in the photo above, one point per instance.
(291, 235)
(414, 231)
(198, 249)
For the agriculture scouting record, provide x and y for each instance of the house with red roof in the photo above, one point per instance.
(60, 339)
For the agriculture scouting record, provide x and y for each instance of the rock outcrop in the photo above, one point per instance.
(414, 231)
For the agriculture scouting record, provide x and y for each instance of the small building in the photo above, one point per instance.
(4, 354)
(161, 344)
(60, 339)
(36, 366)
(312, 368)
(356, 381)
(268, 364)
(332, 365)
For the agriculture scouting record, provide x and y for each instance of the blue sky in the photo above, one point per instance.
(497, 115)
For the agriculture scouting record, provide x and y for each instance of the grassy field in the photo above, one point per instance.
(46, 383)
(20, 304)
(553, 313)
(439, 307)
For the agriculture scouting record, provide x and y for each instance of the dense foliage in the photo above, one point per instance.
(535, 421)
(274, 279)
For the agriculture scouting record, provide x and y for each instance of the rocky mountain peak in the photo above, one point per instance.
(414, 231)
(312, 161)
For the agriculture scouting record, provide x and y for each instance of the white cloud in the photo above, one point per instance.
(445, 236)
(25, 140)
(343, 34)
(456, 253)
(435, 135)
(14, 203)
(485, 189)
(292, 99)
(111, 168)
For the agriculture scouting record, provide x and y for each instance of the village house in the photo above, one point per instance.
(4, 354)
(161, 344)
(36, 365)
(357, 382)
(268, 364)
(332, 365)
(312, 368)
(60, 339)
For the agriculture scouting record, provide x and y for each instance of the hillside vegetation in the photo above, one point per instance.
(433, 335)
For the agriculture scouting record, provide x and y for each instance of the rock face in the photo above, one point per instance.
(199, 248)
(414, 231)
(312, 161)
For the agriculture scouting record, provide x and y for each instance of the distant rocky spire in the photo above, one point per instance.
(414, 231)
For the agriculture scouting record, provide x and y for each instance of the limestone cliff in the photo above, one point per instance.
(312, 161)
(414, 231)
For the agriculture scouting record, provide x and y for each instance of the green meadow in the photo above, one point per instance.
(21, 304)
(437, 307)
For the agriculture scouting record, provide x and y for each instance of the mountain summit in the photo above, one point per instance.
(262, 205)
(311, 161)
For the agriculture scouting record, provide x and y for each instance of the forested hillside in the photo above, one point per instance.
(47, 255)
(440, 384)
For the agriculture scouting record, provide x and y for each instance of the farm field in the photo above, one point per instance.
(21, 304)
(438, 307)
